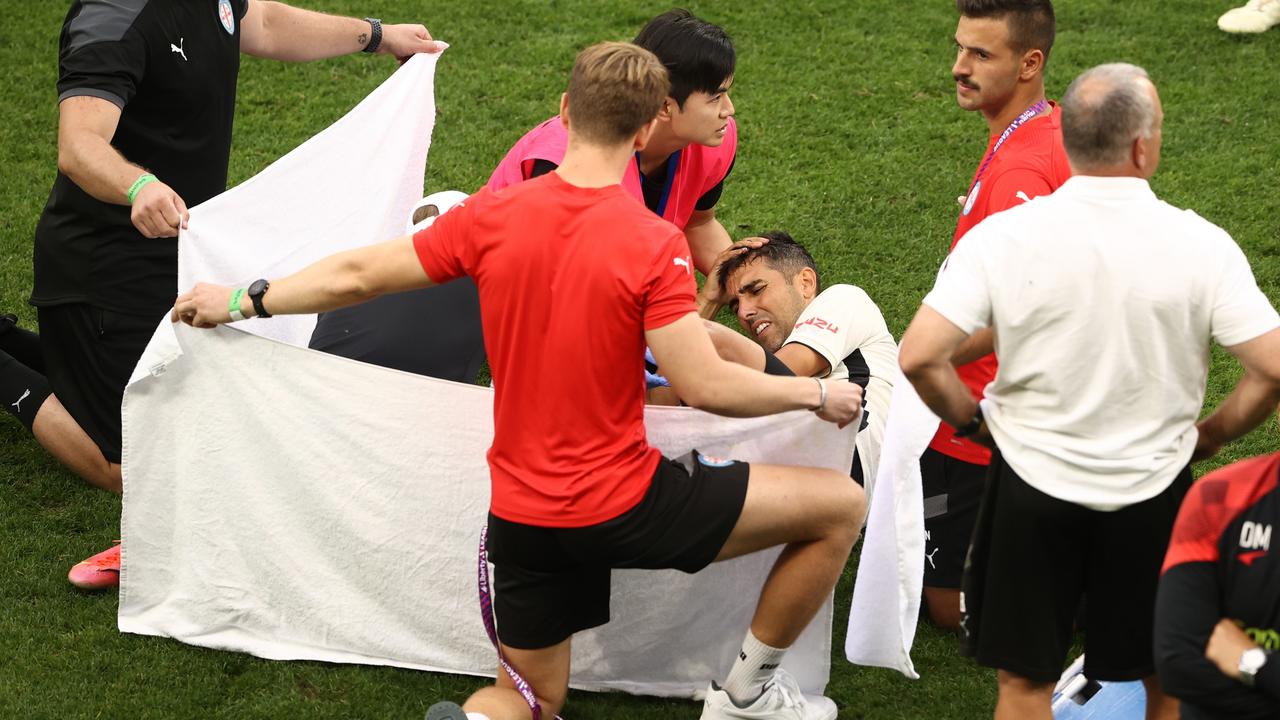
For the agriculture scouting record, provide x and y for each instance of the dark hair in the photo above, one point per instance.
(1031, 22)
(698, 55)
(782, 253)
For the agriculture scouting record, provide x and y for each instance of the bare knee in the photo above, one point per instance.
(944, 607)
(506, 703)
(847, 506)
(1015, 684)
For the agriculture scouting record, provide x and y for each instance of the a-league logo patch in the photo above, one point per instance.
(973, 197)
(227, 16)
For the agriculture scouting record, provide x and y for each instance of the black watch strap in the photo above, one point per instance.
(256, 291)
(969, 428)
(375, 35)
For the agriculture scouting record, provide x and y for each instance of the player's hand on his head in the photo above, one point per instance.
(158, 211)
(203, 306)
(844, 403)
(403, 41)
(711, 288)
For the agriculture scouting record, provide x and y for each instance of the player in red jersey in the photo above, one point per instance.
(571, 260)
(1001, 50)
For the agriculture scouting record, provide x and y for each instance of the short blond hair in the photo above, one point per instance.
(616, 88)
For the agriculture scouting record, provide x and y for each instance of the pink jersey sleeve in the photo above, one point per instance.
(547, 142)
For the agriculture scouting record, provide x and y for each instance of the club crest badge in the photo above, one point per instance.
(227, 16)
(973, 197)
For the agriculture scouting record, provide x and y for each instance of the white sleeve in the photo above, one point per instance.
(961, 293)
(840, 320)
(1241, 312)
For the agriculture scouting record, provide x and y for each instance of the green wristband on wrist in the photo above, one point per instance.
(233, 307)
(142, 181)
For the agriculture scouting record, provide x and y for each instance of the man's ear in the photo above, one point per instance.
(1138, 154)
(1032, 64)
(564, 109)
(807, 280)
(643, 134)
(669, 108)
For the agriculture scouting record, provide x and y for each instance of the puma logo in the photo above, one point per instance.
(929, 557)
(18, 405)
(178, 48)
(1022, 196)
(682, 262)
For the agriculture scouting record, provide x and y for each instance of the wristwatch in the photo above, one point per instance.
(256, 291)
(968, 429)
(1251, 661)
(375, 35)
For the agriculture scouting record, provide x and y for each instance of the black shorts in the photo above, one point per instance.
(89, 354)
(952, 493)
(1033, 558)
(550, 583)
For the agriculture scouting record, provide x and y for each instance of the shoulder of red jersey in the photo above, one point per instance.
(1214, 502)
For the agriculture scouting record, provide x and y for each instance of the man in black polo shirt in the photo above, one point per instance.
(146, 94)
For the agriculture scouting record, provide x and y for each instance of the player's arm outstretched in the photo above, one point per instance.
(346, 278)
(281, 32)
(701, 379)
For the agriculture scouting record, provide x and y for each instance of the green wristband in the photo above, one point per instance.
(142, 181)
(233, 307)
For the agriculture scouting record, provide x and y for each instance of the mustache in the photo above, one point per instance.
(964, 79)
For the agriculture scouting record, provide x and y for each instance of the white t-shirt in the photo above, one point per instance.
(1103, 300)
(846, 328)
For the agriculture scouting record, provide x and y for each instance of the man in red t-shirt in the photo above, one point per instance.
(1001, 50)
(571, 260)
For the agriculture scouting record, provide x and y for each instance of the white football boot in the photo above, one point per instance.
(1254, 17)
(781, 700)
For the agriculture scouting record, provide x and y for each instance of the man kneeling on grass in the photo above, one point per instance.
(577, 490)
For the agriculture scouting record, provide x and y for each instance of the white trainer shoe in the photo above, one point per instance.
(781, 700)
(1254, 17)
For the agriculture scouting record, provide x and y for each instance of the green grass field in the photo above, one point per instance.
(851, 141)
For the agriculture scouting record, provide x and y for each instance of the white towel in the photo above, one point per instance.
(297, 505)
(886, 594)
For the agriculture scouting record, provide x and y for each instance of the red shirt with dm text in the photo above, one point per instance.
(570, 279)
(1031, 163)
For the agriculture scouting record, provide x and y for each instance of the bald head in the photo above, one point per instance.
(1104, 112)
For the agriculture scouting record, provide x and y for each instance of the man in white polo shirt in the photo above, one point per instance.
(1104, 301)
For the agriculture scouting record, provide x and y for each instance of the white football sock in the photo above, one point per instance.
(477, 716)
(754, 666)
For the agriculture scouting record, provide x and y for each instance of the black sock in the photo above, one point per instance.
(22, 390)
(23, 345)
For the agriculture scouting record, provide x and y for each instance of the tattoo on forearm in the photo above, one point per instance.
(363, 39)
